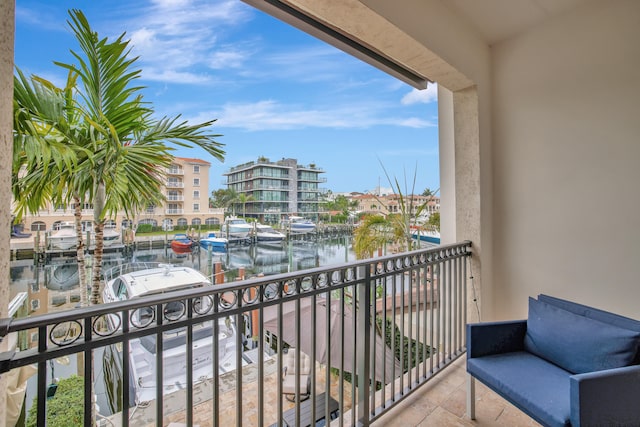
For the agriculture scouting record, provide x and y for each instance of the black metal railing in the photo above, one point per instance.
(374, 331)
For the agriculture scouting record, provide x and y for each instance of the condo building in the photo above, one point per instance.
(186, 203)
(271, 191)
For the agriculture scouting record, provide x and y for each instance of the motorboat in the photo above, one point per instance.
(299, 225)
(110, 236)
(236, 228)
(216, 244)
(135, 280)
(266, 234)
(63, 237)
(181, 243)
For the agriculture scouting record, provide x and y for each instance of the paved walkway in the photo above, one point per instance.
(439, 403)
(174, 403)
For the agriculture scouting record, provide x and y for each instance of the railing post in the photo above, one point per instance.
(364, 340)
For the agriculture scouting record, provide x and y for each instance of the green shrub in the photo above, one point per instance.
(65, 408)
(144, 228)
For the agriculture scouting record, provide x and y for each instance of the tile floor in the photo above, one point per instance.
(442, 403)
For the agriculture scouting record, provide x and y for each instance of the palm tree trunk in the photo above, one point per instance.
(97, 264)
(77, 214)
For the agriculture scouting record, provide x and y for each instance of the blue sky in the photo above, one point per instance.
(275, 91)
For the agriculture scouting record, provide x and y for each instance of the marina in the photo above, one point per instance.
(54, 285)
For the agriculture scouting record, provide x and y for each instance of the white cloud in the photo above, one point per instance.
(426, 96)
(271, 115)
(177, 76)
(179, 39)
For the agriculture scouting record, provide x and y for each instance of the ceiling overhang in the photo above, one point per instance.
(295, 14)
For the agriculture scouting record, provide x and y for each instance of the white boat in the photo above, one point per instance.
(299, 225)
(111, 236)
(236, 228)
(135, 280)
(63, 236)
(265, 233)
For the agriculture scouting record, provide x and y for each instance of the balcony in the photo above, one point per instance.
(175, 171)
(175, 184)
(175, 198)
(179, 211)
(421, 295)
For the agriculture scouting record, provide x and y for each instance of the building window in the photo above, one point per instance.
(196, 221)
(196, 182)
(196, 194)
(196, 207)
(212, 221)
(38, 226)
(183, 221)
(196, 168)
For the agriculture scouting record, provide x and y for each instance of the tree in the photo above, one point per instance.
(243, 199)
(395, 227)
(427, 192)
(46, 124)
(434, 220)
(123, 151)
(223, 198)
(372, 233)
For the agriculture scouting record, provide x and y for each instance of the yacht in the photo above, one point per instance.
(136, 280)
(63, 236)
(299, 225)
(266, 234)
(236, 228)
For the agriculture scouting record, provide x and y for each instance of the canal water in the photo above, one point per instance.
(54, 287)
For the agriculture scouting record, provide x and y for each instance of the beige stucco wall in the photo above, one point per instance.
(7, 30)
(566, 135)
(464, 127)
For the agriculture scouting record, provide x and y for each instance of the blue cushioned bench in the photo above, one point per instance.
(567, 364)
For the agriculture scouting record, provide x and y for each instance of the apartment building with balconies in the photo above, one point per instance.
(270, 191)
(186, 192)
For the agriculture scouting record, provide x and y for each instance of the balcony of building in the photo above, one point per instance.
(175, 171)
(174, 184)
(398, 321)
(174, 211)
(175, 198)
(536, 121)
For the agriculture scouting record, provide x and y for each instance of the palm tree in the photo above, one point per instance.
(373, 232)
(46, 127)
(243, 198)
(124, 155)
(377, 230)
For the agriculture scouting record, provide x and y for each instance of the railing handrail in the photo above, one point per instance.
(416, 271)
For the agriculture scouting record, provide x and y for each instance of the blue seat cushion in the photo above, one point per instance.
(537, 387)
(577, 343)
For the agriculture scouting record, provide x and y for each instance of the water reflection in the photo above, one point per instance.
(55, 287)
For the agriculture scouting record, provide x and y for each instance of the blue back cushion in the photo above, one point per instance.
(577, 343)
(593, 313)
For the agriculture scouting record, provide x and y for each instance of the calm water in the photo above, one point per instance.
(54, 287)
